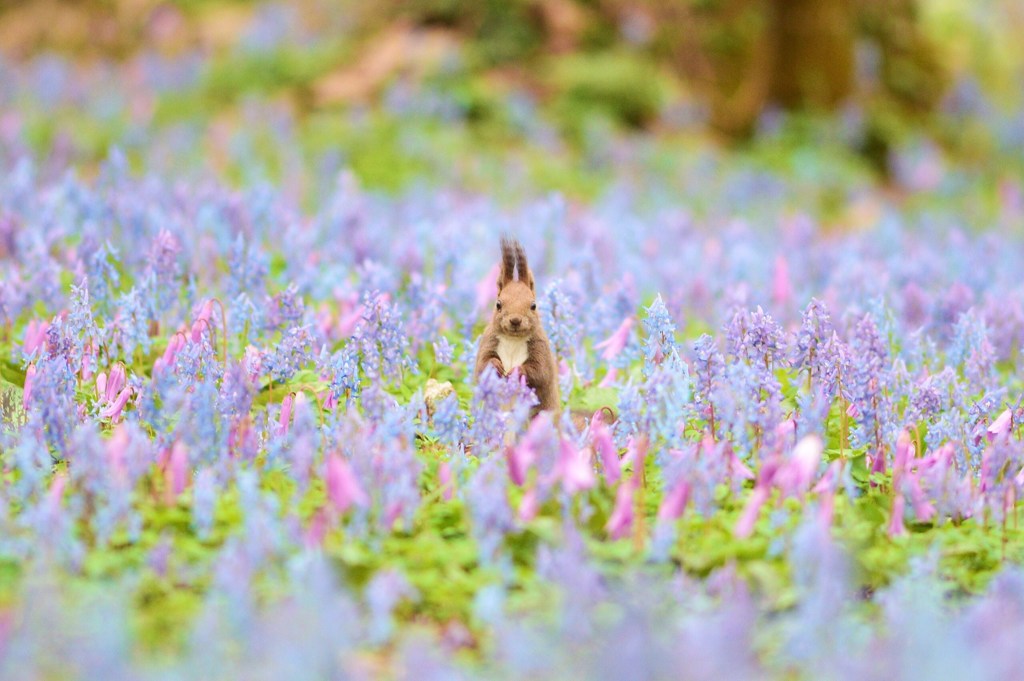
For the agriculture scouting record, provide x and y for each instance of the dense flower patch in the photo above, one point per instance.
(790, 445)
(218, 404)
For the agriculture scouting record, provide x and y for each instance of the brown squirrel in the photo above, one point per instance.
(515, 338)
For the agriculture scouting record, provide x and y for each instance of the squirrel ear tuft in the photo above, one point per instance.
(523, 267)
(508, 262)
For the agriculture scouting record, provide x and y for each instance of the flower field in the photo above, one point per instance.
(240, 437)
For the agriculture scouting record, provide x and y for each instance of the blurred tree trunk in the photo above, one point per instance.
(815, 63)
(742, 55)
(726, 50)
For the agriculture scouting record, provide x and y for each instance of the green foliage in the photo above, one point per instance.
(501, 31)
(620, 86)
(254, 72)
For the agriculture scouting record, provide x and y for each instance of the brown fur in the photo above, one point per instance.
(515, 316)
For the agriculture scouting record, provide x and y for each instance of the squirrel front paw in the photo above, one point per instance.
(496, 363)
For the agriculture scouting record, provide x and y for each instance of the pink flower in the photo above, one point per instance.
(636, 452)
(575, 467)
(115, 382)
(174, 344)
(614, 344)
(330, 401)
(601, 437)
(343, 490)
(794, 477)
(35, 335)
(1001, 427)
(56, 492)
(878, 464)
(30, 379)
(117, 406)
(901, 457)
(826, 489)
(745, 524)
(485, 288)
(736, 465)
(529, 506)
(202, 321)
(674, 503)
(786, 429)
(177, 469)
(392, 513)
(524, 454)
(520, 458)
(87, 359)
(117, 447)
(325, 321)
(896, 527)
(923, 508)
(782, 289)
(609, 378)
(621, 519)
(253, 362)
(317, 530)
(444, 477)
(286, 414)
(241, 438)
(347, 322)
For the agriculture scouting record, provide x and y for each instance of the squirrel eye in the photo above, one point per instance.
(534, 306)
(498, 305)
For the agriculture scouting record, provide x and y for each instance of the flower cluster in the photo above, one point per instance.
(241, 435)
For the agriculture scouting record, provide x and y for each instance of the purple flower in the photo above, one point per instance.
(444, 353)
(811, 350)
(972, 349)
(247, 267)
(708, 368)
(292, 353)
(500, 405)
(342, 373)
(285, 309)
(449, 423)
(868, 384)
(489, 510)
(382, 339)
(660, 341)
(560, 314)
(755, 337)
(204, 502)
(385, 591)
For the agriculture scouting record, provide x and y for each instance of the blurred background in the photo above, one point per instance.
(414, 91)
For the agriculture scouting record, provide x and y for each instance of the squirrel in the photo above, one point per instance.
(515, 338)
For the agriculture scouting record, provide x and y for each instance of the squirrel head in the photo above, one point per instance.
(515, 312)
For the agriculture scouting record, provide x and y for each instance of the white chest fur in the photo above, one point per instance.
(511, 351)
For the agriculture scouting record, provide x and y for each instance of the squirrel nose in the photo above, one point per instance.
(515, 322)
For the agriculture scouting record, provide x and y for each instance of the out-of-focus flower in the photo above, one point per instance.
(613, 345)
(343, 489)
